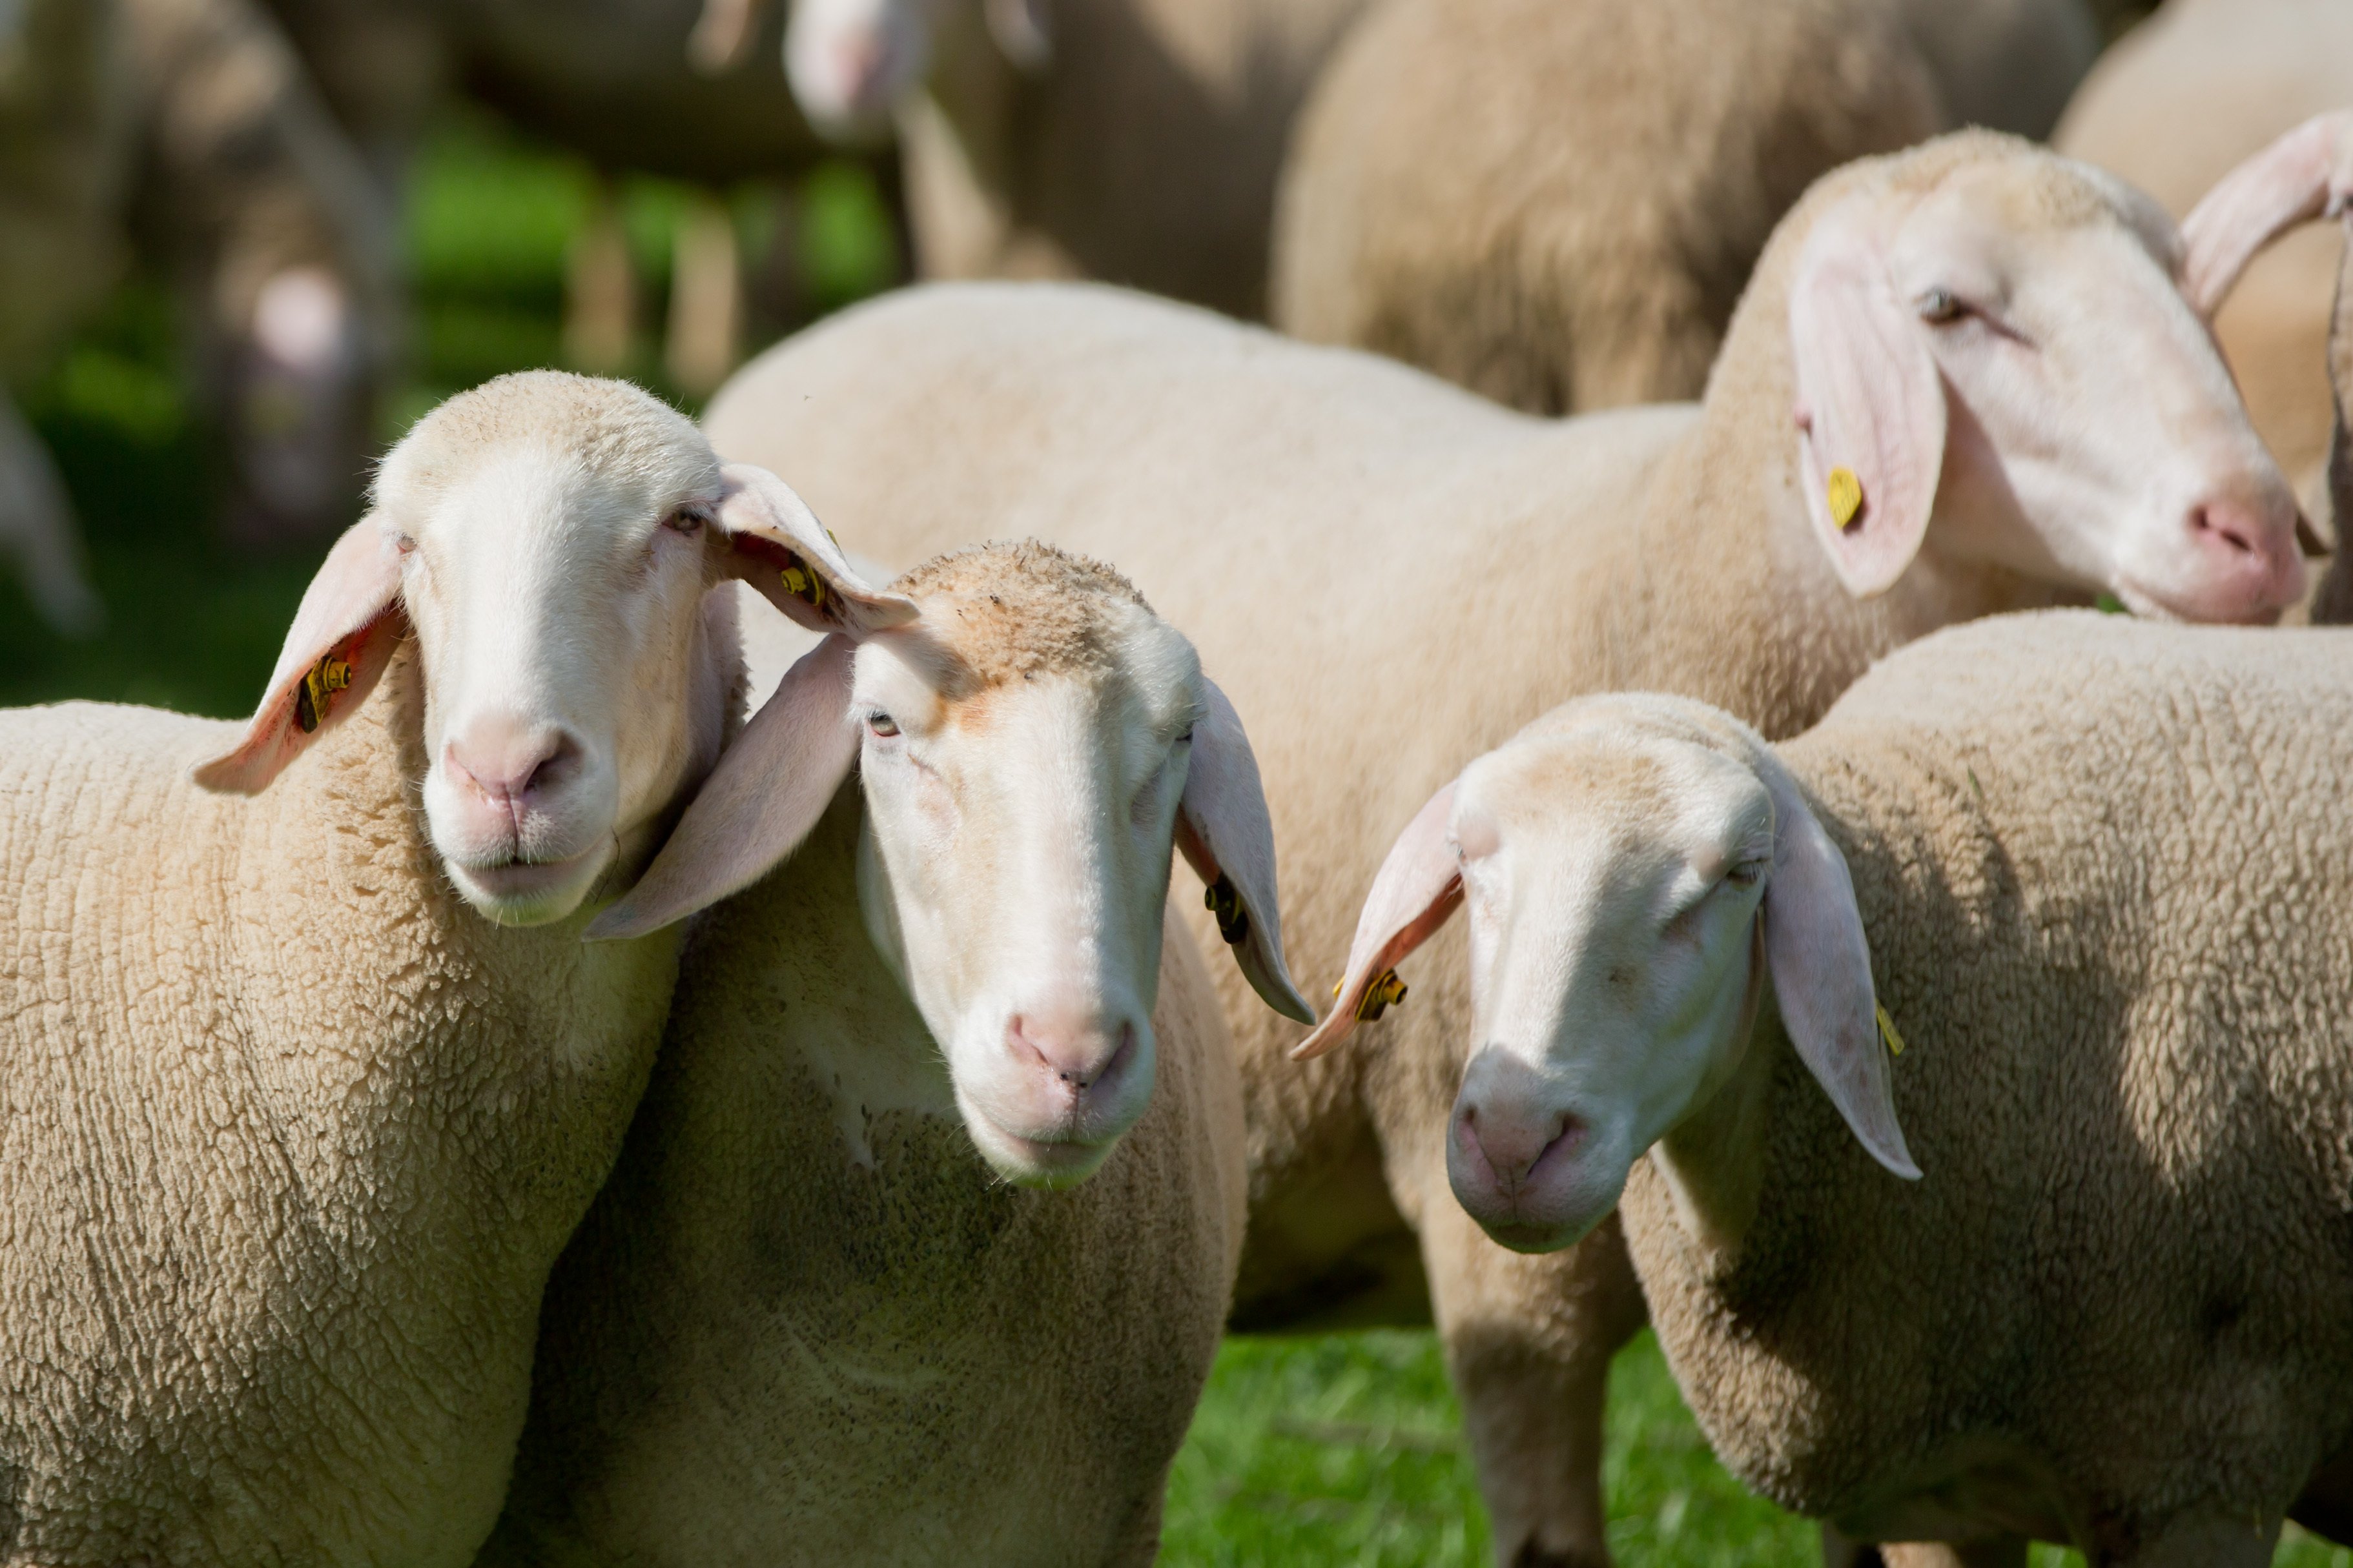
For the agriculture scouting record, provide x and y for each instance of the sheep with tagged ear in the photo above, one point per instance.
(309, 1075)
(2174, 107)
(1976, 1070)
(1982, 346)
(1556, 203)
(838, 1302)
(1135, 139)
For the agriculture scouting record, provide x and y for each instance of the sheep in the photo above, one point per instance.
(2096, 875)
(1136, 141)
(1344, 537)
(809, 1321)
(1561, 215)
(2184, 97)
(307, 1075)
(1556, 204)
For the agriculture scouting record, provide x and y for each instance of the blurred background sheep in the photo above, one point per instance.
(245, 243)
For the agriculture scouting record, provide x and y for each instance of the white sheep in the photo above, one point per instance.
(2178, 102)
(2092, 883)
(809, 1321)
(307, 1075)
(1134, 140)
(1556, 203)
(1391, 575)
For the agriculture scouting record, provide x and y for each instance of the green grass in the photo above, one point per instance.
(1343, 1449)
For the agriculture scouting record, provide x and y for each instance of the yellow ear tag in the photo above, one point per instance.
(1895, 1041)
(1845, 495)
(1233, 921)
(316, 695)
(1385, 991)
(804, 584)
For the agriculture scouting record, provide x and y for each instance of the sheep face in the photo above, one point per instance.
(1633, 867)
(1014, 862)
(2012, 349)
(550, 541)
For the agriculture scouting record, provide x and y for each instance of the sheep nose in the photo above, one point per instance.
(1512, 1146)
(509, 762)
(1086, 1055)
(2250, 549)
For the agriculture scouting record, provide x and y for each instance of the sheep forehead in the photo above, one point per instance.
(1637, 787)
(1002, 615)
(613, 446)
(2001, 181)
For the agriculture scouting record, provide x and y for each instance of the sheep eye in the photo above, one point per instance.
(1939, 306)
(1746, 873)
(403, 543)
(882, 724)
(1184, 739)
(685, 520)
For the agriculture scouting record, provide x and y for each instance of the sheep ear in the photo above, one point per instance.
(768, 790)
(1023, 33)
(343, 637)
(1871, 408)
(2307, 173)
(1821, 964)
(776, 544)
(1417, 888)
(1223, 828)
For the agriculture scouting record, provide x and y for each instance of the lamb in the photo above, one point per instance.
(1136, 141)
(2175, 106)
(1398, 532)
(809, 1321)
(308, 1076)
(2097, 878)
(1545, 221)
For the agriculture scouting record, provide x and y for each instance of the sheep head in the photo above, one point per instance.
(1993, 337)
(550, 541)
(1633, 868)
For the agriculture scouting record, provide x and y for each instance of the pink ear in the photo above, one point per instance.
(1871, 407)
(1820, 963)
(781, 549)
(768, 790)
(2307, 173)
(343, 637)
(1222, 827)
(1417, 887)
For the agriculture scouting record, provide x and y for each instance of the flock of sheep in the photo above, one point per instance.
(661, 1040)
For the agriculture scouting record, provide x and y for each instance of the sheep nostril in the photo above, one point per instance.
(2224, 528)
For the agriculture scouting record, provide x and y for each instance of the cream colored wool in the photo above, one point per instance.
(2177, 103)
(804, 1323)
(1557, 204)
(2105, 871)
(1390, 577)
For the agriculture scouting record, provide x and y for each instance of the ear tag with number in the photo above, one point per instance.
(1844, 492)
(316, 695)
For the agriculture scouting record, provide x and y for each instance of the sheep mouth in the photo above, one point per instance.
(527, 892)
(1037, 1161)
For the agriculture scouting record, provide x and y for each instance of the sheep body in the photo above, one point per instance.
(2102, 870)
(294, 1136)
(1561, 212)
(2179, 101)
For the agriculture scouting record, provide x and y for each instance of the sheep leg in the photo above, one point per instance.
(706, 299)
(601, 289)
(1528, 1342)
